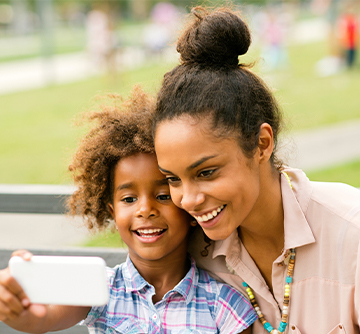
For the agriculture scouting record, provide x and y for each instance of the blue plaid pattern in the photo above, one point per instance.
(198, 304)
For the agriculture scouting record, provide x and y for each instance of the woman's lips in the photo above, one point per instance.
(210, 215)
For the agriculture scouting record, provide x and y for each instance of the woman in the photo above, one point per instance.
(215, 130)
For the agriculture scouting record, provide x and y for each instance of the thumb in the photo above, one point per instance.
(37, 310)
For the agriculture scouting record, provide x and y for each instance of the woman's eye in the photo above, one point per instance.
(206, 173)
(129, 199)
(172, 179)
(164, 197)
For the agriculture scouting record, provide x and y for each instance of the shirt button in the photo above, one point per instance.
(293, 328)
(280, 264)
(155, 316)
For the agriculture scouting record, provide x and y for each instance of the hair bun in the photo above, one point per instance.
(214, 38)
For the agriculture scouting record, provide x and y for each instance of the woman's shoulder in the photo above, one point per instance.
(340, 200)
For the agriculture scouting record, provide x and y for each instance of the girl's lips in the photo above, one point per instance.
(149, 235)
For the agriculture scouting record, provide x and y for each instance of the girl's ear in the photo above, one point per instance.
(111, 209)
(266, 142)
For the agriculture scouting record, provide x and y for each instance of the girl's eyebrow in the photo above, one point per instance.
(124, 186)
(161, 182)
(192, 166)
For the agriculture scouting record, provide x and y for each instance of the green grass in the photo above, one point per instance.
(347, 173)
(105, 239)
(309, 100)
(38, 136)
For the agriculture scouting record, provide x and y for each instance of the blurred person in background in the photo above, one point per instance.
(348, 30)
(158, 34)
(101, 40)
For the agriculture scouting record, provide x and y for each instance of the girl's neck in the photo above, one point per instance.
(163, 274)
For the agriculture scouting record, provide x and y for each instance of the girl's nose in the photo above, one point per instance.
(146, 208)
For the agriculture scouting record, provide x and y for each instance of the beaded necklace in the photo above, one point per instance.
(288, 281)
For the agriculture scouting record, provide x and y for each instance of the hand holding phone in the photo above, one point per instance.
(62, 280)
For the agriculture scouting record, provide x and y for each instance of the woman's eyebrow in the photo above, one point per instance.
(199, 162)
(192, 166)
(164, 170)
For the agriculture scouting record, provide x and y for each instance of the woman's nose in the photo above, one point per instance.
(191, 198)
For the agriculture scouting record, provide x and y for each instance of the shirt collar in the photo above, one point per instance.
(227, 246)
(132, 279)
(296, 228)
(186, 287)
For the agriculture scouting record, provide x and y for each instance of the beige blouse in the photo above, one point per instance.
(322, 223)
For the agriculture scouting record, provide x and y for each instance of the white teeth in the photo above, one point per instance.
(206, 217)
(149, 231)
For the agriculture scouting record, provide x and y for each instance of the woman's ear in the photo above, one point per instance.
(266, 142)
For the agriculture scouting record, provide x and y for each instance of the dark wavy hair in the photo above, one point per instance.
(211, 83)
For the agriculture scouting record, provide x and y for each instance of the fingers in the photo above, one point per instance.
(37, 310)
(23, 253)
(12, 297)
(14, 303)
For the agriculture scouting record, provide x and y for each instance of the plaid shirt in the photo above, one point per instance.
(198, 304)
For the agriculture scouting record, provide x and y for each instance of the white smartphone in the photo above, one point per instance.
(62, 280)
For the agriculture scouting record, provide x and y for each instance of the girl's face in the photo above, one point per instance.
(209, 177)
(149, 223)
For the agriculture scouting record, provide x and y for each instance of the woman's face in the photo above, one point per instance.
(209, 177)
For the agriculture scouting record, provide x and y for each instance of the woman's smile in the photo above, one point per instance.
(208, 216)
(212, 179)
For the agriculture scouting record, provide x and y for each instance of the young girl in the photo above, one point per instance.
(159, 289)
(292, 245)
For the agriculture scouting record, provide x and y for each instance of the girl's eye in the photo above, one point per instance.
(206, 173)
(164, 197)
(129, 199)
(172, 179)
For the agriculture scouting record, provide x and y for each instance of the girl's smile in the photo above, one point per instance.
(150, 224)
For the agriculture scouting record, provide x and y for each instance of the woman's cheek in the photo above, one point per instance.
(176, 196)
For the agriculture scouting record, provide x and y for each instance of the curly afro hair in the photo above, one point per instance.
(118, 130)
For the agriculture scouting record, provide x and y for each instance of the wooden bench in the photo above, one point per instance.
(29, 199)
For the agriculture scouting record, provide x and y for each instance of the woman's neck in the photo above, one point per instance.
(265, 224)
(262, 233)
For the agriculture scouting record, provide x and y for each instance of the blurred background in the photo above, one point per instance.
(58, 56)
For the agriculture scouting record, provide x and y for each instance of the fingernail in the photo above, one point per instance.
(27, 256)
(25, 302)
